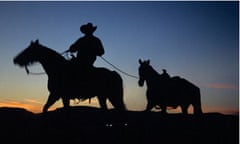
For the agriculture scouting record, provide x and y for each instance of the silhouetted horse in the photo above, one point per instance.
(163, 92)
(68, 82)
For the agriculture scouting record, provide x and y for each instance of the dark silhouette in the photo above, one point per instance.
(87, 47)
(65, 83)
(89, 125)
(163, 92)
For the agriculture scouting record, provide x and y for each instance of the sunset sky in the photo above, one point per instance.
(198, 41)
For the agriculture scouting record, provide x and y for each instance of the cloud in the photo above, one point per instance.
(223, 86)
(32, 101)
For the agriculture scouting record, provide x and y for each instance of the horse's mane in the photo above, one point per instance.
(154, 72)
(53, 54)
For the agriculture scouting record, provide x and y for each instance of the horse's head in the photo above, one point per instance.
(27, 56)
(143, 71)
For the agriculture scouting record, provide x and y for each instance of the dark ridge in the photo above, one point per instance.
(86, 125)
(13, 109)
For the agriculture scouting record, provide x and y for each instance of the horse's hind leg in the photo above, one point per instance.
(184, 109)
(103, 102)
(52, 98)
(118, 104)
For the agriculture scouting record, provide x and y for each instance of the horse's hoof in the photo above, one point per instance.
(44, 111)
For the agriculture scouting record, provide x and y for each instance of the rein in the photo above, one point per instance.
(33, 73)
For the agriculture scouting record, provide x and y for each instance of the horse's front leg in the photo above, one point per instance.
(66, 102)
(150, 105)
(164, 109)
(52, 98)
(150, 100)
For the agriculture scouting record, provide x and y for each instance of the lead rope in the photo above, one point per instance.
(133, 76)
(33, 73)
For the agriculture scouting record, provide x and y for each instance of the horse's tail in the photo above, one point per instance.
(117, 92)
(194, 93)
(197, 102)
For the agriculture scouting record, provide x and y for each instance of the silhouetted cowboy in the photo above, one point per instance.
(88, 46)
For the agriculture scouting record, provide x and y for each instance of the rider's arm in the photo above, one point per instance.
(74, 47)
(100, 49)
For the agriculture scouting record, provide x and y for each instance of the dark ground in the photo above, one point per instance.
(87, 125)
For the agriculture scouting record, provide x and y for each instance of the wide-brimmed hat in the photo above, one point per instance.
(88, 28)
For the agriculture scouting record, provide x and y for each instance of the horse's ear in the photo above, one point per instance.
(148, 62)
(37, 41)
(140, 61)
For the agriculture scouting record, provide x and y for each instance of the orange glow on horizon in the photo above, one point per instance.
(205, 110)
(30, 107)
(36, 106)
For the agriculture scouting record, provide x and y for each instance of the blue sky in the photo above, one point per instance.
(198, 41)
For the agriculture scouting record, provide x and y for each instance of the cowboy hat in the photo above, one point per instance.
(88, 28)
